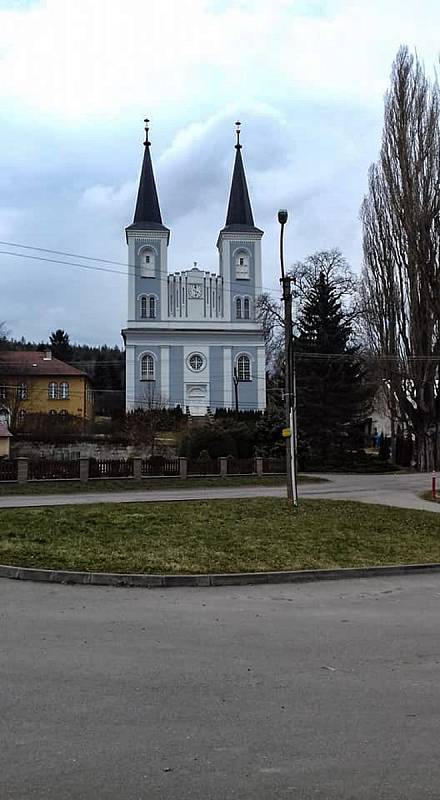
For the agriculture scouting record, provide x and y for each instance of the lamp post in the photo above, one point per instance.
(289, 375)
(235, 380)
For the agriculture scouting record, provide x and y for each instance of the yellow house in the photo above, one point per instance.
(4, 439)
(33, 382)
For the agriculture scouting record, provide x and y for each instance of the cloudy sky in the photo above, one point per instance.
(305, 77)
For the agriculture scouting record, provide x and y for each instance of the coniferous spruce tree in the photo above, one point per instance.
(331, 392)
(60, 345)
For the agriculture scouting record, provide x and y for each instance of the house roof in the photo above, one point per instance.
(4, 430)
(147, 212)
(35, 362)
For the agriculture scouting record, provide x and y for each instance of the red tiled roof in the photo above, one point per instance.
(33, 362)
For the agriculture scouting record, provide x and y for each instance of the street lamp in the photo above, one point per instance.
(290, 431)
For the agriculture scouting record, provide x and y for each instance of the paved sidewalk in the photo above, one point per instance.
(392, 490)
(313, 692)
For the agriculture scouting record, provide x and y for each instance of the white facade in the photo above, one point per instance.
(192, 337)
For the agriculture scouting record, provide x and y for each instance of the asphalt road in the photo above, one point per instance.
(326, 691)
(395, 490)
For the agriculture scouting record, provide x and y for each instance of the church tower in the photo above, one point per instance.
(239, 245)
(192, 337)
(147, 240)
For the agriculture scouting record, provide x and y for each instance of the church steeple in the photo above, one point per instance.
(239, 208)
(147, 214)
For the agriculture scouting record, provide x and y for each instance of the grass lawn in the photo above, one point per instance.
(147, 484)
(216, 536)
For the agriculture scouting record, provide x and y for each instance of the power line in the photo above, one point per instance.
(62, 253)
(96, 361)
(126, 272)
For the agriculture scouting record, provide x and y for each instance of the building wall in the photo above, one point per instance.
(217, 377)
(4, 446)
(147, 393)
(151, 285)
(176, 376)
(199, 313)
(79, 403)
(212, 386)
(241, 287)
(247, 390)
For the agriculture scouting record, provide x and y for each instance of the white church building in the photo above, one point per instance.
(192, 337)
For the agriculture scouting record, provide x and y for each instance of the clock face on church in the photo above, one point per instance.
(195, 291)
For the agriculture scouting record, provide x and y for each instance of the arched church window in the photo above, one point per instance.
(246, 308)
(243, 368)
(143, 307)
(147, 263)
(147, 367)
(64, 390)
(242, 266)
(52, 390)
(152, 306)
(238, 308)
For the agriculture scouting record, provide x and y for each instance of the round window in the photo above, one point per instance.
(196, 362)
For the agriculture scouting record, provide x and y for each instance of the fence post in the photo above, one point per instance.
(223, 466)
(183, 467)
(137, 468)
(259, 465)
(22, 470)
(84, 470)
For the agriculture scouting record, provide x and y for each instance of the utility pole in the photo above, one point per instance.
(289, 376)
(235, 379)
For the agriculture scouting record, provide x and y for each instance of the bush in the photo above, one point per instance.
(384, 448)
(144, 425)
(219, 440)
(51, 427)
(228, 414)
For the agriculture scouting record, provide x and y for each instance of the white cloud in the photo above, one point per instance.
(100, 58)
(107, 198)
(306, 77)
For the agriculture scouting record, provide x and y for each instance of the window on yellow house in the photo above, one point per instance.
(22, 392)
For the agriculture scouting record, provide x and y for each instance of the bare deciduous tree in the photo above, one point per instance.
(401, 278)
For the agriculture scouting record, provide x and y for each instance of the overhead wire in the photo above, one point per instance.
(131, 271)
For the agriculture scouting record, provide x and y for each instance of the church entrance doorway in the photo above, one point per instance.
(197, 399)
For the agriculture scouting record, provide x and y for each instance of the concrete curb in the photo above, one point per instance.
(228, 579)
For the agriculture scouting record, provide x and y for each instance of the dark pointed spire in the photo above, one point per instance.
(239, 209)
(147, 213)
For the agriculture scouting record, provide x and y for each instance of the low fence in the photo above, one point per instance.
(48, 469)
(274, 466)
(208, 466)
(84, 469)
(8, 470)
(158, 466)
(241, 466)
(110, 467)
